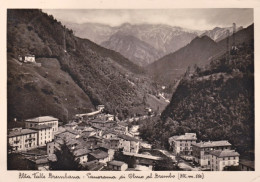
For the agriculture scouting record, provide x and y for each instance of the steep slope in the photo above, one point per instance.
(45, 90)
(199, 52)
(132, 48)
(105, 76)
(218, 102)
(172, 66)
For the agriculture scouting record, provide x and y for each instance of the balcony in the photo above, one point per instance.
(30, 139)
(16, 142)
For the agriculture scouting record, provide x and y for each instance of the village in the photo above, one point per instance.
(95, 139)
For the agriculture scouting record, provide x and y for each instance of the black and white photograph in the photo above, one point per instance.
(130, 89)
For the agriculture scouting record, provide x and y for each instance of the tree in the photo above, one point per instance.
(65, 160)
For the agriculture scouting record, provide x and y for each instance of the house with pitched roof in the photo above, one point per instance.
(99, 155)
(22, 139)
(81, 155)
(117, 165)
(182, 144)
(246, 165)
(201, 150)
(219, 159)
(43, 120)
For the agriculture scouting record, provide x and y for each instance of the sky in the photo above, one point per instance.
(196, 19)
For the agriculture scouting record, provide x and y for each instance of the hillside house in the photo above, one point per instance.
(100, 107)
(117, 165)
(22, 139)
(219, 159)
(28, 58)
(182, 144)
(201, 150)
(43, 120)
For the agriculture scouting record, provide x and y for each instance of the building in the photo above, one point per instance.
(44, 134)
(182, 144)
(40, 163)
(22, 139)
(128, 143)
(27, 58)
(219, 159)
(52, 146)
(117, 165)
(201, 150)
(43, 120)
(246, 165)
(100, 107)
(81, 155)
(99, 155)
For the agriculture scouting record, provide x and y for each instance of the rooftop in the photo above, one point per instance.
(81, 152)
(93, 165)
(116, 163)
(88, 129)
(39, 160)
(42, 119)
(212, 144)
(40, 127)
(224, 153)
(247, 163)
(186, 136)
(99, 154)
(128, 138)
(101, 121)
(21, 132)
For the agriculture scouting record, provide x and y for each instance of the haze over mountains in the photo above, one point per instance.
(143, 43)
(199, 52)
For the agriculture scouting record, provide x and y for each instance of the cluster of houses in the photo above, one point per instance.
(210, 155)
(93, 139)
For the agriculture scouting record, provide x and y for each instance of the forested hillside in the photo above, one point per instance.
(216, 102)
(93, 73)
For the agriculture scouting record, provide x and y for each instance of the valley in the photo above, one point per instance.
(143, 94)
